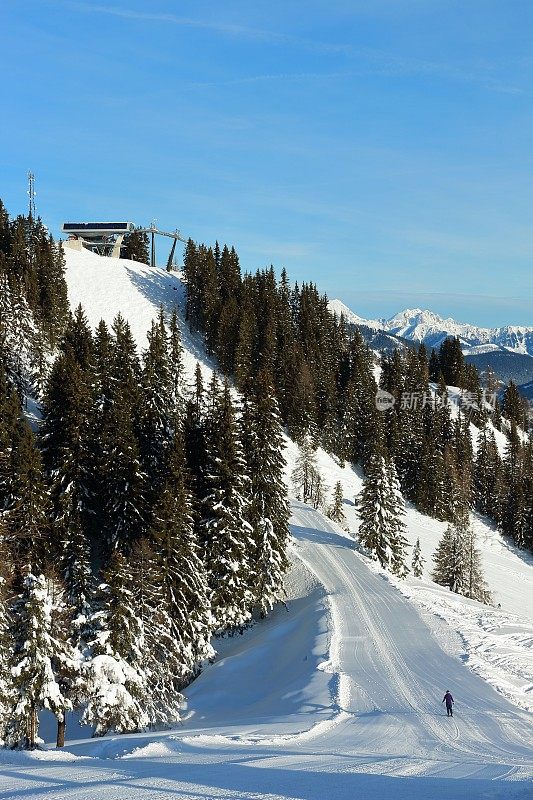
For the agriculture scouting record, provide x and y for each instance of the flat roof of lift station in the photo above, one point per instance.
(97, 227)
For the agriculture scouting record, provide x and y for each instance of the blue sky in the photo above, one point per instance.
(383, 149)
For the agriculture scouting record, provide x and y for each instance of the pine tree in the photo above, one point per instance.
(268, 511)
(449, 560)
(451, 361)
(487, 474)
(9, 417)
(135, 247)
(6, 578)
(41, 657)
(195, 442)
(417, 564)
(175, 364)
(226, 532)
(162, 699)
(66, 455)
(183, 583)
(458, 563)
(396, 509)
(120, 485)
(381, 508)
(434, 366)
(68, 661)
(157, 415)
(513, 405)
(122, 481)
(305, 474)
(27, 516)
(336, 512)
(116, 681)
(53, 306)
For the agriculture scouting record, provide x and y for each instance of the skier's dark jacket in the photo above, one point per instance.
(449, 699)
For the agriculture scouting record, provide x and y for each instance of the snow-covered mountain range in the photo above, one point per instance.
(419, 325)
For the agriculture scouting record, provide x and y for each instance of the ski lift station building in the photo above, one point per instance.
(104, 238)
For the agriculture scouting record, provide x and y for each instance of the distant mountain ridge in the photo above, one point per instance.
(418, 325)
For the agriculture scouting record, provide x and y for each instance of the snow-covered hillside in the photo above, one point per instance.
(419, 325)
(107, 286)
(339, 695)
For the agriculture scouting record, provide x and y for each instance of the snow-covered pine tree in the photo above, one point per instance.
(68, 661)
(42, 657)
(380, 506)
(20, 340)
(66, 455)
(226, 532)
(116, 677)
(336, 511)
(396, 507)
(182, 578)
(417, 563)
(162, 699)
(175, 364)
(449, 560)
(9, 416)
(487, 473)
(458, 562)
(305, 473)
(268, 512)
(27, 515)
(120, 486)
(6, 577)
(372, 506)
(157, 409)
(195, 441)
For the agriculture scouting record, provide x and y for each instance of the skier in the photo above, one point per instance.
(448, 699)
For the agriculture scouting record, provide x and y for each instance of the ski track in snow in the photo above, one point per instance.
(339, 698)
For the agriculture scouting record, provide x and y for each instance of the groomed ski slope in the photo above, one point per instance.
(338, 697)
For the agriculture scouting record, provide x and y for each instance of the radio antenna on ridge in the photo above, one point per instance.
(31, 193)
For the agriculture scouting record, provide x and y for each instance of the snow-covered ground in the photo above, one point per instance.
(496, 642)
(105, 286)
(339, 695)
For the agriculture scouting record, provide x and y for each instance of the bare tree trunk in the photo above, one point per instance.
(31, 729)
(61, 725)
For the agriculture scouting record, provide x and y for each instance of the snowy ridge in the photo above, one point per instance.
(418, 325)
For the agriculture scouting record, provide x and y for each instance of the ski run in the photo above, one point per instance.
(336, 694)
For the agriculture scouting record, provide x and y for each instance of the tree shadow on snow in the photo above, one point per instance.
(247, 778)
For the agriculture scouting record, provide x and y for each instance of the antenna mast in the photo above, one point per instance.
(31, 193)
